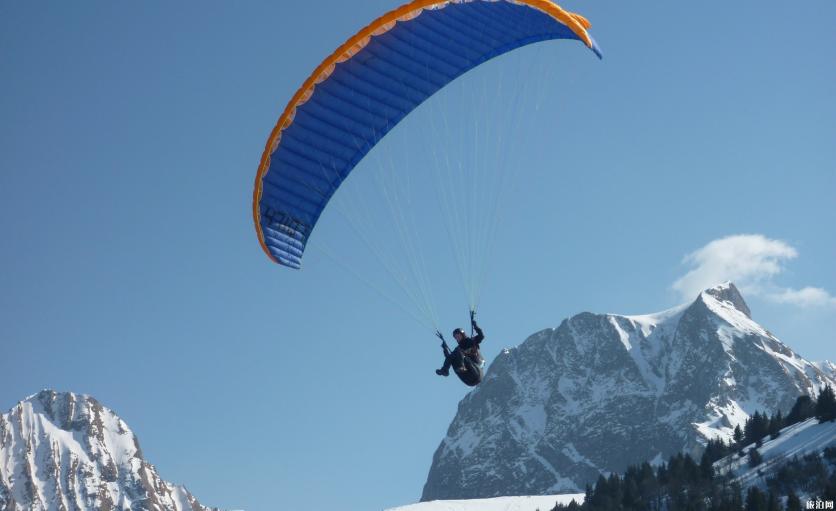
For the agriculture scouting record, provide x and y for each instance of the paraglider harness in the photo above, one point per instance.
(470, 363)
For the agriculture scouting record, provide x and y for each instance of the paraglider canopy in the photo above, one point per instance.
(367, 86)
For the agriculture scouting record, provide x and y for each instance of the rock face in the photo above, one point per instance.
(603, 391)
(66, 452)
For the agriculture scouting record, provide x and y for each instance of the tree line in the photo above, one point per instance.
(687, 485)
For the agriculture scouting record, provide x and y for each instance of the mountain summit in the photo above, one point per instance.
(64, 451)
(728, 292)
(604, 391)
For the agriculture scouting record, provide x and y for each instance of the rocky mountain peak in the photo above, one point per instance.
(62, 451)
(728, 292)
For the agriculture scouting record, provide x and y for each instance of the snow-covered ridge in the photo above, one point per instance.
(567, 404)
(827, 367)
(65, 451)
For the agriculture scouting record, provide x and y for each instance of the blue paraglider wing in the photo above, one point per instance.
(367, 86)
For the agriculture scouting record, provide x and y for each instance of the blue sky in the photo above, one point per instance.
(129, 139)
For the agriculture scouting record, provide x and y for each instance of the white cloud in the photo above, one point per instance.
(745, 259)
(751, 261)
(806, 297)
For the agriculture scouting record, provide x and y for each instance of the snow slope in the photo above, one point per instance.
(533, 503)
(797, 440)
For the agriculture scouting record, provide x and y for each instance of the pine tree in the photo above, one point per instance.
(749, 430)
(736, 496)
(757, 427)
(707, 464)
(755, 500)
(572, 506)
(755, 458)
(631, 498)
(773, 504)
(776, 422)
(761, 426)
(793, 502)
(803, 409)
(826, 405)
(738, 435)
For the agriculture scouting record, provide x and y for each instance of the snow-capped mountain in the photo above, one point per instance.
(604, 391)
(66, 452)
